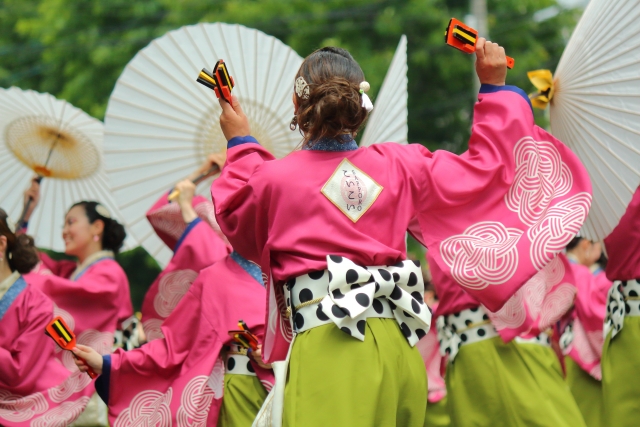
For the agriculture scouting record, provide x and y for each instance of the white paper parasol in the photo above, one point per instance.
(596, 107)
(161, 124)
(42, 135)
(388, 120)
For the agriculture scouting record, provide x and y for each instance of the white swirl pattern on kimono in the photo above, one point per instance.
(76, 382)
(21, 408)
(531, 298)
(556, 304)
(195, 403)
(149, 408)
(540, 177)
(512, 314)
(152, 329)
(62, 415)
(485, 254)
(216, 379)
(559, 225)
(172, 287)
(207, 213)
(168, 219)
(588, 345)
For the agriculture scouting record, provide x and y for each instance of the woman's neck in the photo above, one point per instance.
(91, 249)
(5, 270)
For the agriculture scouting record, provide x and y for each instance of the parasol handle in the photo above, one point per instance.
(214, 169)
(38, 179)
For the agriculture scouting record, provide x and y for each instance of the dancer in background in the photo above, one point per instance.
(188, 226)
(35, 389)
(193, 375)
(317, 218)
(583, 338)
(621, 355)
(92, 295)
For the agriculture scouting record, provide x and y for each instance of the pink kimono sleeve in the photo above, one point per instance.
(237, 210)
(166, 219)
(48, 265)
(500, 212)
(24, 355)
(623, 244)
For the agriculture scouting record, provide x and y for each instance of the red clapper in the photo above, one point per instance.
(219, 80)
(60, 332)
(464, 38)
(244, 337)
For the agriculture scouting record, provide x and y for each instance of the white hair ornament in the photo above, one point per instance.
(366, 101)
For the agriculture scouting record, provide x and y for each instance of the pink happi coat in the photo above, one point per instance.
(588, 318)
(433, 362)
(178, 380)
(36, 390)
(535, 307)
(623, 244)
(195, 247)
(491, 217)
(94, 301)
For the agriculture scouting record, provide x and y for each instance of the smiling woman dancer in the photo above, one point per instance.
(317, 218)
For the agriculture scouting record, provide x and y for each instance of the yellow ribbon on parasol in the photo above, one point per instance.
(543, 81)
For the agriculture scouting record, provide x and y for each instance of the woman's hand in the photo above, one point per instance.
(86, 358)
(187, 190)
(491, 63)
(212, 159)
(33, 193)
(233, 122)
(256, 355)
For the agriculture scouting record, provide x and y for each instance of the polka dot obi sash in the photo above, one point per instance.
(347, 294)
(623, 300)
(466, 327)
(237, 362)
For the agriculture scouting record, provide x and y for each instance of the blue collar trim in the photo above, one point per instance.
(84, 270)
(339, 143)
(251, 268)
(10, 296)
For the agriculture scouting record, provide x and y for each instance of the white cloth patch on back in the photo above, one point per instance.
(351, 190)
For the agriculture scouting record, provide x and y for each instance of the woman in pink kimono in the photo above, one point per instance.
(92, 295)
(621, 355)
(180, 379)
(35, 389)
(327, 225)
(189, 227)
(583, 337)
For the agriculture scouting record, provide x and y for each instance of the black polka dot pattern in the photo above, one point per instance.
(463, 328)
(348, 294)
(237, 363)
(621, 302)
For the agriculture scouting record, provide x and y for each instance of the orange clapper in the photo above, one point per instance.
(219, 80)
(58, 330)
(464, 38)
(244, 337)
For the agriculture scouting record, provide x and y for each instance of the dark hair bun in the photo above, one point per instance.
(334, 105)
(23, 256)
(113, 235)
